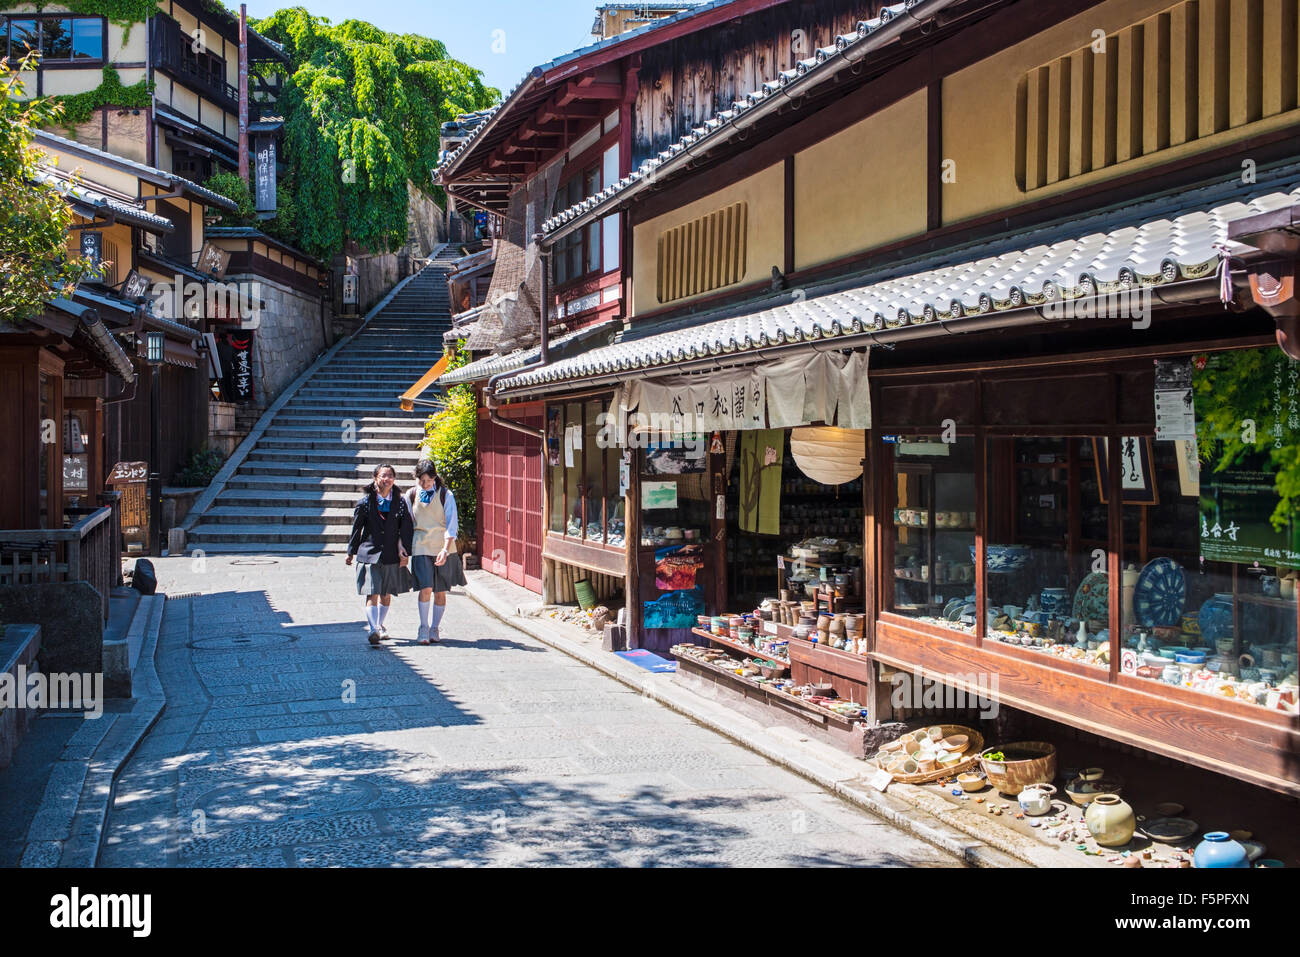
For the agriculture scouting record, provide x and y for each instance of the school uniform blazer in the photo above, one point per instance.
(375, 538)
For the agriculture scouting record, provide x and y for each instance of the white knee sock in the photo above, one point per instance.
(437, 615)
(426, 616)
(383, 613)
(372, 616)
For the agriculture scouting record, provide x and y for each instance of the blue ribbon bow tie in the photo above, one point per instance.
(426, 496)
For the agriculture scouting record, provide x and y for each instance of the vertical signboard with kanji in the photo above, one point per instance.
(132, 480)
(1248, 437)
(236, 351)
(264, 174)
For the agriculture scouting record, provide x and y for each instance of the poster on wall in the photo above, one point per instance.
(1137, 471)
(1175, 414)
(1248, 437)
(553, 435)
(674, 609)
(658, 495)
(684, 456)
(677, 565)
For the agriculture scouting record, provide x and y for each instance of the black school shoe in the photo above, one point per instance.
(375, 638)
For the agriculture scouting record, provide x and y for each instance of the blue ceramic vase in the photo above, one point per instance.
(1220, 850)
(1215, 617)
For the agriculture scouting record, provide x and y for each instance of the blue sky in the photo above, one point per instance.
(534, 30)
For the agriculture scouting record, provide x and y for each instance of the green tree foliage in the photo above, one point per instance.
(233, 187)
(451, 440)
(34, 218)
(363, 109)
(1241, 389)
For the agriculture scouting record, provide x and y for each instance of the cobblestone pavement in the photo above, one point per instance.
(287, 740)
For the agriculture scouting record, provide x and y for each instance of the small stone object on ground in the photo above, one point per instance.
(1133, 862)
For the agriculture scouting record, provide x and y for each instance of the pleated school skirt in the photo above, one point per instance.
(378, 579)
(438, 577)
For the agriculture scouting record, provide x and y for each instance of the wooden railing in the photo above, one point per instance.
(88, 551)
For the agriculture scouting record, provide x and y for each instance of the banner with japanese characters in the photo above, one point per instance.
(1248, 439)
(236, 350)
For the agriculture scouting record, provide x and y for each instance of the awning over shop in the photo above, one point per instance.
(1081, 269)
(561, 347)
(411, 395)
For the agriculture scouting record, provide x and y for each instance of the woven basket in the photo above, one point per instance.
(973, 748)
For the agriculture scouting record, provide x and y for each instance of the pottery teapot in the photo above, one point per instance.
(1036, 799)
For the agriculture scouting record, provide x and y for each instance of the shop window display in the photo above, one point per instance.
(1213, 565)
(813, 516)
(585, 498)
(1046, 582)
(933, 540)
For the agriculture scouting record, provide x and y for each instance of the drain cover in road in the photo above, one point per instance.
(255, 561)
(260, 639)
(647, 660)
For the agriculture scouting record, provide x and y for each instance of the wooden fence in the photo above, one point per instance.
(89, 551)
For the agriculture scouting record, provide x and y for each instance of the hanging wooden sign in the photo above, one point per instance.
(132, 480)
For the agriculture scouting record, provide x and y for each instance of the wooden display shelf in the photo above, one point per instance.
(1042, 465)
(789, 702)
(832, 660)
(1288, 603)
(737, 646)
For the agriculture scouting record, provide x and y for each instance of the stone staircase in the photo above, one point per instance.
(295, 490)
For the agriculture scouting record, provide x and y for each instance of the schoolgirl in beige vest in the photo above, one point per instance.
(435, 562)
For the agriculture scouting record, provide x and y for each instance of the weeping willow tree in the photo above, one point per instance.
(363, 109)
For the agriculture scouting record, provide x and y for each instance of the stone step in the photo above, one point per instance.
(339, 456)
(352, 367)
(360, 473)
(278, 484)
(287, 498)
(292, 419)
(254, 532)
(291, 515)
(350, 410)
(343, 394)
(276, 442)
(364, 435)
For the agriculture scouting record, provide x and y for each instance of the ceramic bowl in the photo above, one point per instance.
(1169, 809)
(957, 743)
(972, 781)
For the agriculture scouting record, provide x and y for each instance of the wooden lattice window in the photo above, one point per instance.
(1199, 68)
(702, 255)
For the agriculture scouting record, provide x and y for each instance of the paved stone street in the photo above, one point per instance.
(487, 749)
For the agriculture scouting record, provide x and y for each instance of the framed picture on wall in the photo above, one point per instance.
(1137, 464)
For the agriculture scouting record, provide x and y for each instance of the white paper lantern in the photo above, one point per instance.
(829, 455)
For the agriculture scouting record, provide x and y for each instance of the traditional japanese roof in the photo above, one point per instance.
(252, 232)
(595, 54)
(492, 365)
(848, 48)
(92, 203)
(150, 174)
(1170, 239)
(463, 324)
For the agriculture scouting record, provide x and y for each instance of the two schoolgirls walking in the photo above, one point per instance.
(404, 541)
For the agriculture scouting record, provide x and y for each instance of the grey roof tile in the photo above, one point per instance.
(1174, 238)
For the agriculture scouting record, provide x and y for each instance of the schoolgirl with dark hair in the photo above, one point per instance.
(382, 532)
(435, 564)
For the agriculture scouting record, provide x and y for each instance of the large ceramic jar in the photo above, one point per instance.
(1110, 820)
(1220, 850)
